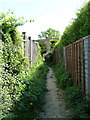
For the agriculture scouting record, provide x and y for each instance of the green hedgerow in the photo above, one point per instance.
(23, 88)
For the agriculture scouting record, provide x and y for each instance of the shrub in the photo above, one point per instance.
(63, 78)
(74, 97)
(52, 43)
(79, 27)
(22, 88)
(49, 58)
(13, 62)
(29, 101)
(44, 46)
(80, 106)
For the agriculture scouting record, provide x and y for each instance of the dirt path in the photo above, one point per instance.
(54, 104)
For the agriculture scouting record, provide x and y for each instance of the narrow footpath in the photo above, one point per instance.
(54, 104)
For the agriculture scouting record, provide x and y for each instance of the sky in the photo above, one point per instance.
(55, 14)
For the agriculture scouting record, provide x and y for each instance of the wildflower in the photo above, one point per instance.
(30, 103)
(34, 119)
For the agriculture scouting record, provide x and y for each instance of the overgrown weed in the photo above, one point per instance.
(73, 96)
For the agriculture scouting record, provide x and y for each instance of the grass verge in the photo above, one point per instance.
(73, 96)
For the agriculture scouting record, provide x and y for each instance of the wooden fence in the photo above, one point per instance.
(74, 62)
(77, 63)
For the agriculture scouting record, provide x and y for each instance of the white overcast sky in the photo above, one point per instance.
(56, 14)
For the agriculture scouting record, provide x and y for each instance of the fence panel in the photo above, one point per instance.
(74, 62)
(77, 63)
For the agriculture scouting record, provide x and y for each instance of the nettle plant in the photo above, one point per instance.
(13, 62)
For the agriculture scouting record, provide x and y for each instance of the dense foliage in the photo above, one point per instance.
(32, 88)
(50, 55)
(63, 77)
(49, 58)
(77, 102)
(22, 88)
(44, 47)
(52, 43)
(50, 33)
(74, 97)
(13, 63)
(79, 28)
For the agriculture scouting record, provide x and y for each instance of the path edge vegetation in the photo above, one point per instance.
(23, 88)
(74, 97)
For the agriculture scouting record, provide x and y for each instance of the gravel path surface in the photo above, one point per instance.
(54, 104)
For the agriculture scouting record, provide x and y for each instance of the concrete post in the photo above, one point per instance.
(64, 56)
(87, 64)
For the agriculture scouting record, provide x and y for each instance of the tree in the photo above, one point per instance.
(50, 33)
(44, 46)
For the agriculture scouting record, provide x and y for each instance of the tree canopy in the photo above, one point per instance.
(44, 46)
(50, 33)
